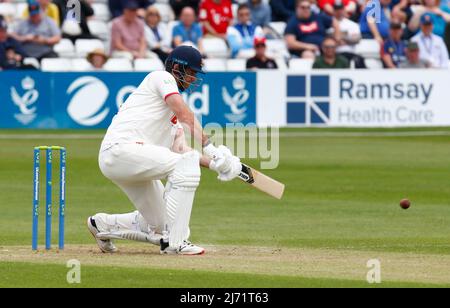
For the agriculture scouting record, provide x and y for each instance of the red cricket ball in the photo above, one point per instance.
(405, 204)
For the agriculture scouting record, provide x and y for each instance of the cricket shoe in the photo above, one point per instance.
(187, 249)
(106, 246)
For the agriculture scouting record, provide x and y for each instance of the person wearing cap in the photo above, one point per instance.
(329, 58)
(432, 47)
(328, 6)
(439, 17)
(38, 34)
(240, 37)
(393, 50)
(413, 59)
(306, 31)
(128, 34)
(144, 145)
(97, 58)
(188, 31)
(50, 9)
(371, 28)
(260, 60)
(7, 43)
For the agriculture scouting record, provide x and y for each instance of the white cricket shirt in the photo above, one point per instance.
(145, 116)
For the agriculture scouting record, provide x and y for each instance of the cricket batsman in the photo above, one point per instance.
(145, 144)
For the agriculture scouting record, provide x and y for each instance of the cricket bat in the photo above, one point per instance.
(262, 182)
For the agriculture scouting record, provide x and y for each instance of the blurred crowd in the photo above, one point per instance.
(325, 34)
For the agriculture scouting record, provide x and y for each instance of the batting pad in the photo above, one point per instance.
(180, 193)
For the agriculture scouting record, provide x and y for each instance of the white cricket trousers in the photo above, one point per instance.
(138, 170)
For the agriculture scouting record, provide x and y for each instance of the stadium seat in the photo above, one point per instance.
(56, 65)
(215, 48)
(301, 65)
(99, 28)
(84, 46)
(148, 65)
(277, 49)
(215, 65)
(118, 65)
(281, 63)
(101, 11)
(372, 63)
(32, 61)
(368, 48)
(8, 10)
(236, 65)
(81, 65)
(165, 11)
(278, 27)
(65, 48)
(20, 8)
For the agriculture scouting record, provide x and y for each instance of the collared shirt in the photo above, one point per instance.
(241, 36)
(432, 49)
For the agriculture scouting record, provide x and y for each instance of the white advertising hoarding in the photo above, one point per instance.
(355, 98)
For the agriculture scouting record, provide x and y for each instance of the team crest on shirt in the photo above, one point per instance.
(309, 28)
(174, 120)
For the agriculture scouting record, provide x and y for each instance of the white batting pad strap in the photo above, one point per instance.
(180, 193)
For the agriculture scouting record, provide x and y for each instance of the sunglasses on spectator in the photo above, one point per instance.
(329, 46)
(305, 7)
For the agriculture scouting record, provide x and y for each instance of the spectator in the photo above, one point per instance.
(128, 34)
(73, 29)
(393, 51)
(156, 34)
(372, 28)
(327, 6)
(50, 9)
(413, 59)
(261, 13)
(117, 7)
(439, 17)
(215, 16)
(432, 47)
(260, 60)
(38, 34)
(188, 31)
(329, 58)
(241, 36)
(14, 61)
(306, 31)
(179, 5)
(282, 10)
(7, 43)
(97, 59)
(351, 36)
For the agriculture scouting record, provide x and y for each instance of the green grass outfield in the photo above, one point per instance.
(341, 209)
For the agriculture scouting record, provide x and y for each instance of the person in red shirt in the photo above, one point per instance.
(216, 16)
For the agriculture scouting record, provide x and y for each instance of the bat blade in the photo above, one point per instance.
(262, 182)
